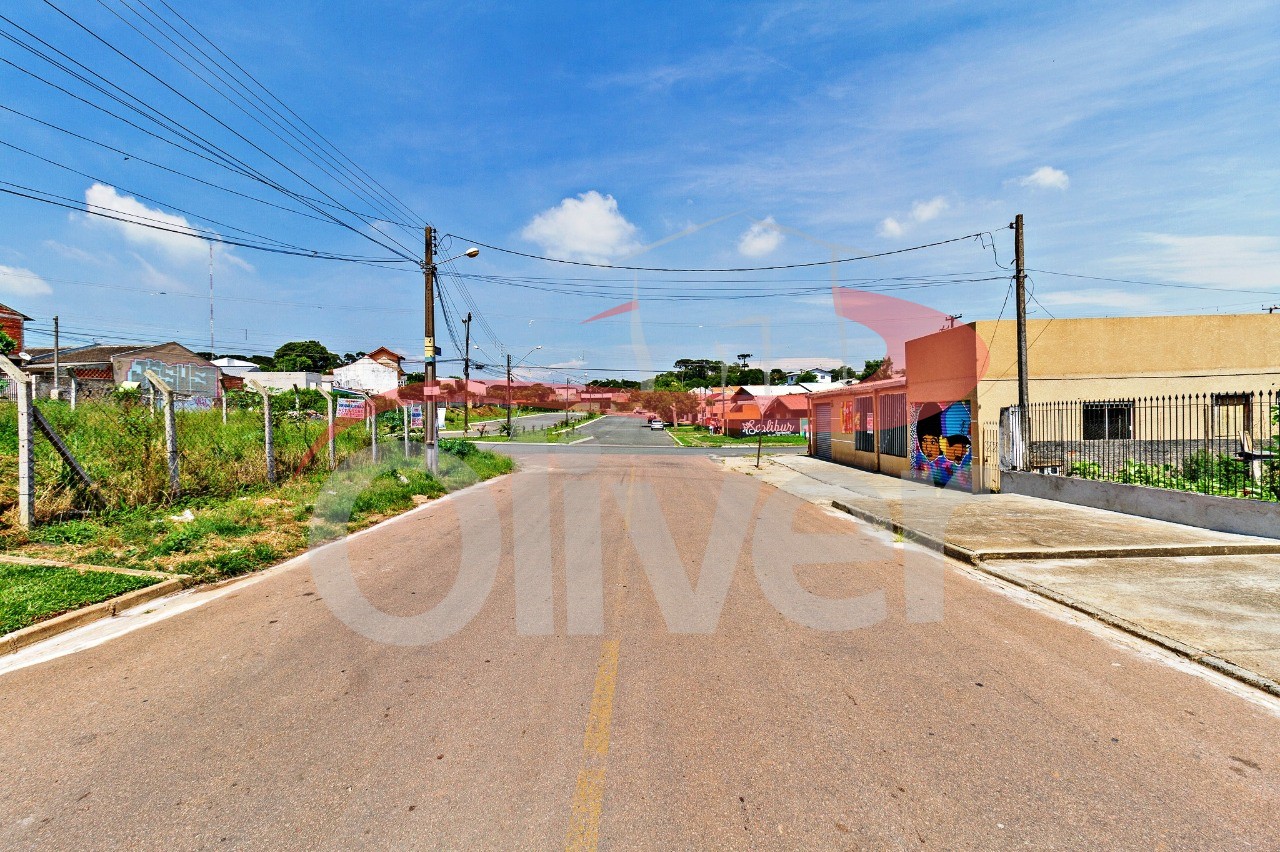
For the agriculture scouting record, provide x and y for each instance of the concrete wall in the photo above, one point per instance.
(1225, 514)
(1129, 357)
(283, 381)
(185, 371)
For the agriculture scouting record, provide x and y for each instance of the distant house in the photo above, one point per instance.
(11, 323)
(235, 367)
(99, 369)
(823, 377)
(283, 381)
(379, 372)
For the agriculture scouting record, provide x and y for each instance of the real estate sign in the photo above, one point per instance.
(351, 409)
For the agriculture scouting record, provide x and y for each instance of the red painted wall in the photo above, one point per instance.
(12, 326)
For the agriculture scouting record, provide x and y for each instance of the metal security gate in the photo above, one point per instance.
(822, 431)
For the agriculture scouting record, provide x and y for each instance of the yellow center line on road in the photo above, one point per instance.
(588, 797)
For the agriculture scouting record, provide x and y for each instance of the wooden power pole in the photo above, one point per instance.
(1020, 284)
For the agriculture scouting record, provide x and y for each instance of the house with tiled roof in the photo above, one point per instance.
(11, 323)
(98, 368)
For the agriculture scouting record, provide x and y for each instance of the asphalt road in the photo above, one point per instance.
(622, 433)
(580, 711)
(622, 430)
(527, 421)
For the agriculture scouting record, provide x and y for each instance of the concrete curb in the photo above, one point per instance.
(973, 557)
(977, 559)
(1182, 649)
(85, 615)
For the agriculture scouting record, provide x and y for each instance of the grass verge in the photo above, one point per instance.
(210, 538)
(33, 593)
(698, 436)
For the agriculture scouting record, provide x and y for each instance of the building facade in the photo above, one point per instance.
(958, 382)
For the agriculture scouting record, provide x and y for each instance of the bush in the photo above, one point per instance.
(1085, 470)
(457, 447)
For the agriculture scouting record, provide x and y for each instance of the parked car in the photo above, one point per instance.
(657, 425)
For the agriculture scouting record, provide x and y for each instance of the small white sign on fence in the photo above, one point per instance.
(351, 409)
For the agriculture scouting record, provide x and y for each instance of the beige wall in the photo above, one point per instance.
(1097, 358)
(842, 443)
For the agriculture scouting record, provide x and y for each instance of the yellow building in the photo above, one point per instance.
(960, 379)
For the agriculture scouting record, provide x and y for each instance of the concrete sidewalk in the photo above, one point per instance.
(1213, 597)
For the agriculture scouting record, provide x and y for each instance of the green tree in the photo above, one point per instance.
(875, 369)
(807, 376)
(7, 343)
(305, 356)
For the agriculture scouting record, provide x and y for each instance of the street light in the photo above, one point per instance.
(429, 388)
(509, 365)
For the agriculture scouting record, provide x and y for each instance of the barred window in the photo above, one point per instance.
(893, 424)
(1108, 420)
(864, 437)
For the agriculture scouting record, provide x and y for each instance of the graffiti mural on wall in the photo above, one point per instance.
(941, 445)
(183, 378)
(847, 415)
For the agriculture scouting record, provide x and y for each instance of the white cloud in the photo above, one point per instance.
(760, 239)
(1223, 260)
(587, 228)
(74, 253)
(925, 211)
(1100, 297)
(179, 243)
(16, 281)
(891, 227)
(921, 212)
(1046, 177)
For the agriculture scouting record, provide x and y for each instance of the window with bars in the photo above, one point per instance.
(864, 436)
(893, 424)
(1108, 420)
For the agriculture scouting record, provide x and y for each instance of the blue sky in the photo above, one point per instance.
(1139, 140)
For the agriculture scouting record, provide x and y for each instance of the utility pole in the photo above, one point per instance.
(57, 361)
(1020, 283)
(466, 377)
(429, 353)
(508, 396)
(212, 353)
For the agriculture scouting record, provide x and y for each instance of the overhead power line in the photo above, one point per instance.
(1154, 283)
(808, 264)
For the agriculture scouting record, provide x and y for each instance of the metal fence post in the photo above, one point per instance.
(330, 435)
(170, 430)
(268, 440)
(26, 443)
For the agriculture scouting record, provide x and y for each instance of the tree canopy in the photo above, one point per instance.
(305, 356)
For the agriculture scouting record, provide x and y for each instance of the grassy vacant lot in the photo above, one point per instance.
(698, 436)
(29, 593)
(228, 518)
(212, 537)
